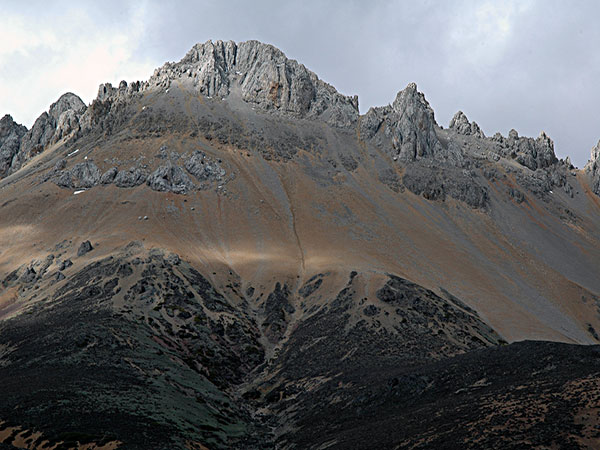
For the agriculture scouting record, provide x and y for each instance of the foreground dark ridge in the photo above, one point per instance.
(229, 256)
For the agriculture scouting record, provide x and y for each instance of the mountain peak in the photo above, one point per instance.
(262, 75)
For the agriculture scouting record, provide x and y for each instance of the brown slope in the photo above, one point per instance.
(522, 267)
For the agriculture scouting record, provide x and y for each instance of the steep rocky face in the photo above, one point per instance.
(461, 125)
(532, 153)
(593, 167)
(11, 134)
(61, 120)
(264, 77)
(409, 123)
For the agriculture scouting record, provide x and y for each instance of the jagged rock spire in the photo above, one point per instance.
(593, 167)
(414, 134)
(410, 124)
(61, 119)
(11, 134)
(461, 125)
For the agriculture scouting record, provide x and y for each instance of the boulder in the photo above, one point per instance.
(84, 248)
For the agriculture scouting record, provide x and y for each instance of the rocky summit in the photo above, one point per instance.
(230, 255)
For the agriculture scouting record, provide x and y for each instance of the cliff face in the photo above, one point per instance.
(264, 77)
(11, 134)
(593, 168)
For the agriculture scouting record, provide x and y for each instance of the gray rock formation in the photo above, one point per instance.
(84, 248)
(531, 153)
(409, 124)
(82, 175)
(593, 168)
(170, 178)
(204, 168)
(264, 76)
(105, 111)
(65, 264)
(60, 121)
(109, 176)
(64, 179)
(461, 125)
(85, 174)
(130, 178)
(11, 134)
(435, 183)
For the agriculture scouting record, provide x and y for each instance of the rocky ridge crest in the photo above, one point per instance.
(60, 121)
(262, 76)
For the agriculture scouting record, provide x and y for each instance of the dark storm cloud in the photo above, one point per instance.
(531, 66)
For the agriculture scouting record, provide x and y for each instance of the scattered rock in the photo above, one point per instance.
(173, 259)
(65, 264)
(28, 276)
(435, 183)
(517, 195)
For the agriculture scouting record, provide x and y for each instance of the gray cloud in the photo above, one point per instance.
(531, 65)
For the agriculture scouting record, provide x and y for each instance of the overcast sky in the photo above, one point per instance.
(528, 65)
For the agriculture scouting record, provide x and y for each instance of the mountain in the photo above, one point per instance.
(229, 255)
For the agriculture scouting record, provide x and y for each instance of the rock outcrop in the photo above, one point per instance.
(529, 152)
(204, 168)
(11, 134)
(132, 177)
(170, 178)
(82, 175)
(461, 125)
(61, 120)
(593, 168)
(407, 127)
